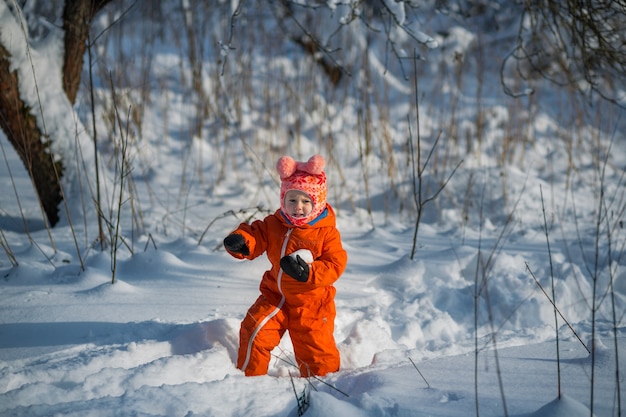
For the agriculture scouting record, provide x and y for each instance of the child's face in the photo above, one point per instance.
(298, 204)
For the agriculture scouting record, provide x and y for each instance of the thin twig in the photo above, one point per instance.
(7, 248)
(233, 213)
(303, 402)
(495, 352)
(555, 307)
(226, 48)
(289, 362)
(418, 371)
(98, 197)
(150, 239)
(556, 320)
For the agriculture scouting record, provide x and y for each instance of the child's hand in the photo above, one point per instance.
(235, 243)
(297, 268)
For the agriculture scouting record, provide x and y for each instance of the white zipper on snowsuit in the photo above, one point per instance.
(267, 318)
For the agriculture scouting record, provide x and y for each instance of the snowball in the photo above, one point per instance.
(304, 254)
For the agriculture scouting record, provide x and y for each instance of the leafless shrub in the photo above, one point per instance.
(574, 43)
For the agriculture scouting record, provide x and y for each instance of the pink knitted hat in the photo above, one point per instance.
(308, 177)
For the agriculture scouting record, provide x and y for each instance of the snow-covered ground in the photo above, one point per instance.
(460, 329)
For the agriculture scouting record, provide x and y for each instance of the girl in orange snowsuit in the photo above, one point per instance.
(297, 293)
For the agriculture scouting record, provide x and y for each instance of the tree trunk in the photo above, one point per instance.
(77, 17)
(19, 122)
(22, 131)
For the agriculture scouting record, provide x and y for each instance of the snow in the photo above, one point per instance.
(460, 328)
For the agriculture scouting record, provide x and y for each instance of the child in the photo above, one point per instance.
(297, 293)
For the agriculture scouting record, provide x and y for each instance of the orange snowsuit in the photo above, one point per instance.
(306, 309)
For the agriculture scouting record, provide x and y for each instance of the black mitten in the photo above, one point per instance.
(236, 243)
(295, 268)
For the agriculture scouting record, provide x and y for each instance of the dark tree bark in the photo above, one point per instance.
(77, 17)
(331, 69)
(20, 127)
(18, 121)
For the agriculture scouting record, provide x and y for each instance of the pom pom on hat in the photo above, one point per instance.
(286, 166)
(307, 177)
